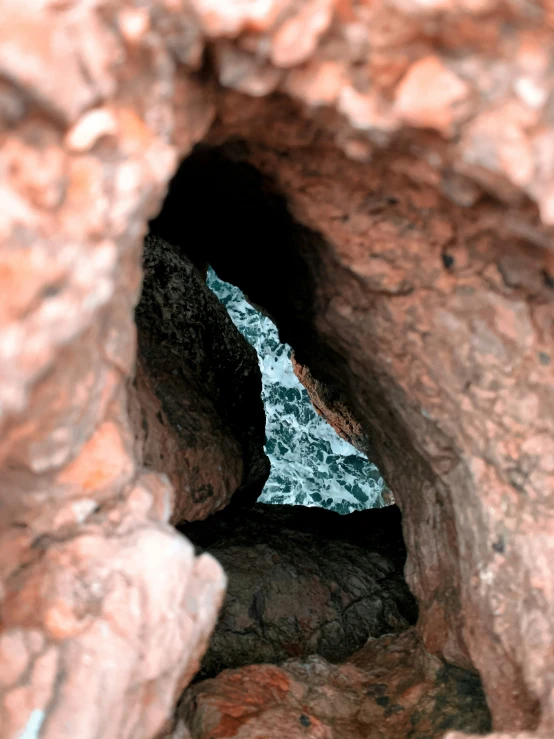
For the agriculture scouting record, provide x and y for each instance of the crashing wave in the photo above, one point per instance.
(310, 464)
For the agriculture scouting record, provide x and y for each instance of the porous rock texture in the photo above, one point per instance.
(104, 609)
(414, 144)
(300, 584)
(196, 403)
(390, 688)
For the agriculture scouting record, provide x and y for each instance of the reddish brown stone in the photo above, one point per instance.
(331, 407)
(391, 688)
(429, 326)
(93, 641)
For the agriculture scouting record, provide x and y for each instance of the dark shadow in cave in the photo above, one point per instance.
(304, 581)
(222, 211)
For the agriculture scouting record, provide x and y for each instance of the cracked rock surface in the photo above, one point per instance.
(390, 688)
(302, 584)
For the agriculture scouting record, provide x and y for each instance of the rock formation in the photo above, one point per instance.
(399, 157)
(391, 688)
(421, 318)
(295, 591)
(334, 409)
(196, 401)
(331, 407)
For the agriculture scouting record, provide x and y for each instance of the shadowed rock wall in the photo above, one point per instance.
(196, 401)
(390, 688)
(430, 324)
(303, 582)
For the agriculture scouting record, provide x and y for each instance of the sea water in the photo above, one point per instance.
(310, 464)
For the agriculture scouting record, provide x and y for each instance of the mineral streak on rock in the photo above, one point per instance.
(331, 407)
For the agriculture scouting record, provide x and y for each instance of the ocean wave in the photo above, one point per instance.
(310, 464)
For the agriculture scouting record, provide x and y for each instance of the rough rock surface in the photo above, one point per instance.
(439, 334)
(93, 642)
(196, 404)
(94, 597)
(428, 303)
(392, 688)
(303, 586)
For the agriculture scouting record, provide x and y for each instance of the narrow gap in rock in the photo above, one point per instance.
(310, 464)
(320, 570)
(215, 207)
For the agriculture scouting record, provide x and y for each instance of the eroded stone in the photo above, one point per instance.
(391, 688)
(303, 582)
(196, 400)
(444, 347)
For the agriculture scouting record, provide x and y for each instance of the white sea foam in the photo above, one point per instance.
(310, 464)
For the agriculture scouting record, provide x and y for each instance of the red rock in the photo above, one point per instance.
(94, 641)
(389, 688)
(97, 599)
(331, 407)
(430, 96)
(297, 38)
(395, 320)
(442, 343)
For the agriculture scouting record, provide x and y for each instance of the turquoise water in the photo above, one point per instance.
(310, 464)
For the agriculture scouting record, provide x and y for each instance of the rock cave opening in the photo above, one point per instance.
(311, 464)
(318, 454)
(308, 579)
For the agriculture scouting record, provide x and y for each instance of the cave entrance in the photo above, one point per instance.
(302, 580)
(219, 207)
